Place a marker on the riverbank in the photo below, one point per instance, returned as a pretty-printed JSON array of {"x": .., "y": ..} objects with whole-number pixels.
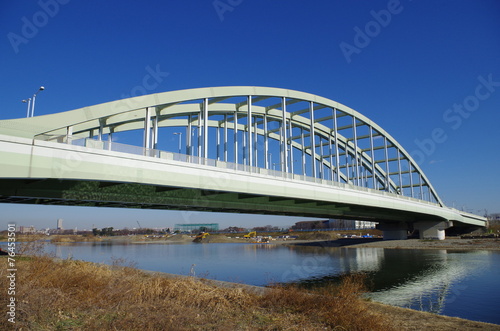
[
  {"x": 398, "y": 318},
  {"x": 76, "y": 295},
  {"x": 314, "y": 239},
  {"x": 414, "y": 320},
  {"x": 449, "y": 243}
]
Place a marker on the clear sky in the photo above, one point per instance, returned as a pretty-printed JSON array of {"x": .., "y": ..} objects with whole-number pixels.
[{"x": 427, "y": 71}]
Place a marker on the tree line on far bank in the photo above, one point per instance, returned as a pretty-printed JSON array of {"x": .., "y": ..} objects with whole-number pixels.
[{"x": 110, "y": 231}]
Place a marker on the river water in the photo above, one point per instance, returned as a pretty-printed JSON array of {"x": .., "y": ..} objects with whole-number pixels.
[{"x": 453, "y": 283}]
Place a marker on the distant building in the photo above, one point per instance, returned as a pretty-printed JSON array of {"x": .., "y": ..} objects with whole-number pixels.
[
  {"x": 351, "y": 224},
  {"x": 200, "y": 227},
  {"x": 494, "y": 217},
  {"x": 334, "y": 225},
  {"x": 27, "y": 229},
  {"x": 311, "y": 225},
  {"x": 60, "y": 224}
]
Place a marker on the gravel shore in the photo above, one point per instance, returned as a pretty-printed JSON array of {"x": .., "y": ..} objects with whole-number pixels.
[{"x": 450, "y": 243}]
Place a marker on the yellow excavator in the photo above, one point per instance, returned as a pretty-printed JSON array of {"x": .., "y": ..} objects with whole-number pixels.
[
  {"x": 201, "y": 236},
  {"x": 252, "y": 234}
]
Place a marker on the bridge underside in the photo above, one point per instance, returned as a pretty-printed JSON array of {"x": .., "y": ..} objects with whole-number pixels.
[{"x": 130, "y": 195}]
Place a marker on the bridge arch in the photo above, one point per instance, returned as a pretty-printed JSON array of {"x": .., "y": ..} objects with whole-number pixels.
[{"x": 276, "y": 129}]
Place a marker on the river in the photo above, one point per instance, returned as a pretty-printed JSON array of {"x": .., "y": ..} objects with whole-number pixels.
[{"x": 453, "y": 283}]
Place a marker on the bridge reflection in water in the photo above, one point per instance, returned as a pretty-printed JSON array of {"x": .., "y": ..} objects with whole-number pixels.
[{"x": 418, "y": 279}]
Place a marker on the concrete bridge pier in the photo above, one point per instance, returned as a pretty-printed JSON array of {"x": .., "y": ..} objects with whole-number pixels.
[
  {"x": 432, "y": 230},
  {"x": 394, "y": 231}
]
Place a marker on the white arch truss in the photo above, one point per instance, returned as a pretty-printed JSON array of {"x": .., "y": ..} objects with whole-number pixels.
[{"x": 271, "y": 128}]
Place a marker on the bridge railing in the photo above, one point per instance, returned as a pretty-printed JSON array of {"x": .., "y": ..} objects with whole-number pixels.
[{"x": 156, "y": 153}]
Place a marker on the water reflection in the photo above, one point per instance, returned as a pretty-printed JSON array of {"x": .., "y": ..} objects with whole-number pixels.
[
  {"x": 363, "y": 259},
  {"x": 430, "y": 286},
  {"x": 419, "y": 279}
]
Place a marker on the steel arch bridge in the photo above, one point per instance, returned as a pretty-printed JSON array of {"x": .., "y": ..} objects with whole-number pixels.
[{"x": 286, "y": 133}]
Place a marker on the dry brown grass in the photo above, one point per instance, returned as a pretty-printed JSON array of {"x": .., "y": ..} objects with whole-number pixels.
[
  {"x": 494, "y": 228},
  {"x": 334, "y": 306},
  {"x": 316, "y": 235},
  {"x": 75, "y": 295},
  {"x": 30, "y": 237},
  {"x": 65, "y": 238}
]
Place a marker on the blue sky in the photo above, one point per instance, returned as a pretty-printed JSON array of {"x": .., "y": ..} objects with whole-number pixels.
[{"x": 428, "y": 72}]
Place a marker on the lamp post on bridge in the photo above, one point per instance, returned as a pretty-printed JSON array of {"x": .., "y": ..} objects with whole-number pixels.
[
  {"x": 30, "y": 112},
  {"x": 180, "y": 137},
  {"x": 29, "y": 107}
]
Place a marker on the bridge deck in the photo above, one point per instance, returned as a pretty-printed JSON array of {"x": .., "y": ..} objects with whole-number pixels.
[{"x": 54, "y": 173}]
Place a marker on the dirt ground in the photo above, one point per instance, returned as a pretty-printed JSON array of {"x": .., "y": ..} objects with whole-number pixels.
[
  {"x": 450, "y": 243},
  {"x": 413, "y": 320}
]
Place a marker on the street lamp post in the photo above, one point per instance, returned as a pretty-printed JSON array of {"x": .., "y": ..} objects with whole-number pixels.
[
  {"x": 31, "y": 103},
  {"x": 180, "y": 137},
  {"x": 28, "y": 101}
]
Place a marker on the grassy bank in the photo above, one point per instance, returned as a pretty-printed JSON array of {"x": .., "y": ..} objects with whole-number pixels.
[
  {"x": 65, "y": 238},
  {"x": 78, "y": 295}
]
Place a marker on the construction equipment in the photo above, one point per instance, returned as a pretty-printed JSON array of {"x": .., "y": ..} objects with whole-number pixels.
[
  {"x": 252, "y": 234},
  {"x": 200, "y": 236}
]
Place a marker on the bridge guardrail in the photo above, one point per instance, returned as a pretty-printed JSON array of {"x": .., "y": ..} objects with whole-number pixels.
[{"x": 136, "y": 150}]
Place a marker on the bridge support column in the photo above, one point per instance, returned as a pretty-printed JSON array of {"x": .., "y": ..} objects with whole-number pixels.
[
  {"x": 432, "y": 230},
  {"x": 394, "y": 231}
]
